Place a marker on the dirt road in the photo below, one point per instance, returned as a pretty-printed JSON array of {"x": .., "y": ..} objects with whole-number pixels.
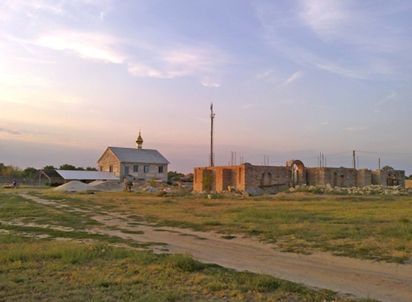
[{"x": 382, "y": 281}]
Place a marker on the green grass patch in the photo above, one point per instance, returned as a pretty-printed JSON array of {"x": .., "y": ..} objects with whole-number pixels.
[
  {"x": 15, "y": 207},
  {"x": 369, "y": 227},
  {"x": 68, "y": 271}
]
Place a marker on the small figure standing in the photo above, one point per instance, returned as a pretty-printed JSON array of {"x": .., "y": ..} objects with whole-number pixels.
[
  {"x": 14, "y": 184},
  {"x": 128, "y": 184}
]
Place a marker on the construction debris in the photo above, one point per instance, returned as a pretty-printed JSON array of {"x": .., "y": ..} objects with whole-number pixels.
[
  {"x": 106, "y": 186},
  {"x": 73, "y": 186},
  {"x": 366, "y": 190}
]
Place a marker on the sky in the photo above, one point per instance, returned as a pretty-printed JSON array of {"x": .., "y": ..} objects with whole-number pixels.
[{"x": 288, "y": 79}]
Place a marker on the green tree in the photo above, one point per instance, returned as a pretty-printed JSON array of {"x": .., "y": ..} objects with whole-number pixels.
[
  {"x": 49, "y": 168},
  {"x": 67, "y": 167},
  {"x": 174, "y": 176},
  {"x": 30, "y": 172},
  {"x": 10, "y": 171}
]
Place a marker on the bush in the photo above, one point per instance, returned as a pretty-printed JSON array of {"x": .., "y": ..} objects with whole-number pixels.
[{"x": 185, "y": 263}]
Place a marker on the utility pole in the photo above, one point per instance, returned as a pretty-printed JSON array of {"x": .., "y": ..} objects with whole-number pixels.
[
  {"x": 354, "y": 159},
  {"x": 212, "y": 117},
  {"x": 379, "y": 163}
]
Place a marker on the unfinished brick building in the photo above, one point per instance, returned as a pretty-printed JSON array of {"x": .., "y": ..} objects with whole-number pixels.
[{"x": 247, "y": 177}]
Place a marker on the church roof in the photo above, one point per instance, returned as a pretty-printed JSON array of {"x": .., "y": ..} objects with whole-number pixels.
[{"x": 133, "y": 155}]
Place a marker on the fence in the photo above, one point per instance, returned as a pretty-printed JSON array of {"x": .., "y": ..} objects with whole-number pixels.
[{"x": 21, "y": 180}]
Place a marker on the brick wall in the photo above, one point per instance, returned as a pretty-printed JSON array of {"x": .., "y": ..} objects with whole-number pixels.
[
  {"x": 341, "y": 177},
  {"x": 246, "y": 176},
  {"x": 266, "y": 176},
  {"x": 109, "y": 159}
]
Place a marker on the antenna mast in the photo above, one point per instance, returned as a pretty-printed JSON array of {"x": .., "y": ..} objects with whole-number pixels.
[{"x": 212, "y": 117}]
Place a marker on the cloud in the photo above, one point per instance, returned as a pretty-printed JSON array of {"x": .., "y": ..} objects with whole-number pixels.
[
  {"x": 178, "y": 62},
  {"x": 391, "y": 97},
  {"x": 293, "y": 77},
  {"x": 265, "y": 75},
  {"x": 55, "y": 26},
  {"x": 87, "y": 45},
  {"x": 209, "y": 83},
  {"x": 142, "y": 70},
  {"x": 323, "y": 17},
  {"x": 350, "y": 39},
  {"x": 10, "y": 131},
  {"x": 65, "y": 8},
  {"x": 142, "y": 59}
]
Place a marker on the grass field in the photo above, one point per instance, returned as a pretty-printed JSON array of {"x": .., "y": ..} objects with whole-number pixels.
[
  {"x": 368, "y": 227},
  {"x": 47, "y": 254}
]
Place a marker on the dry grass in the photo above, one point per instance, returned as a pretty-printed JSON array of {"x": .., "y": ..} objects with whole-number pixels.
[
  {"x": 372, "y": 227},
  {"x": 38, "y": 268}
]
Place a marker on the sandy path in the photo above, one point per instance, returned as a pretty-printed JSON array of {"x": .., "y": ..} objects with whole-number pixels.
[{"x": 362, "y": 278}]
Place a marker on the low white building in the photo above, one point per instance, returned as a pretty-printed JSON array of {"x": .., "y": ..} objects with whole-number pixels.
[{"x": 139, "y": 163}]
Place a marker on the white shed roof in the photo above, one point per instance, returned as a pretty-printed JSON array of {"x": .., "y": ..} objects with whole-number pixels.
[{"x": 86, "y": 175}]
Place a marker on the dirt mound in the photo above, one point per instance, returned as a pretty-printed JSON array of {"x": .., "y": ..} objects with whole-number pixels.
[
  {"x": 73, "y": 186},
  {"x": 106, "y": 186},
  {"x": 96, "y": 182}
]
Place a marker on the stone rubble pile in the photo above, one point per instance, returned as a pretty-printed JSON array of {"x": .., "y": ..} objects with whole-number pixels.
[{"x": 367, "y": 190}]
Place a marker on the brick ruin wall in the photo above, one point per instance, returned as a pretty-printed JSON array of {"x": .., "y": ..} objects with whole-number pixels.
[
  {"x": 219, "y": 179},
  {"x": 341, "y": 177},
  {"x": 266, "y": 177},
  {"x": 275, "y": 178},
  {"x": 241, "y": 178},
  {"x": 388, "y": 177}
]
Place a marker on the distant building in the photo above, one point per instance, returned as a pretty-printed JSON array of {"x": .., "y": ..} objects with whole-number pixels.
[
  {"x": 138, "y": 163},
  {"x": 85, "y": 176},
  {"x": 246, "y": 177}
]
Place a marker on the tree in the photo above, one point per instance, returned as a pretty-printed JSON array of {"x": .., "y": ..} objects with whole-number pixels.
[
  {"x": 9, "y": 171},
  {"x": 174, "y": 176},
  {"x": 30, "y": 172},
  {"x": 49, "y": 168},
  {"x": 91, "y": 169},
  {"x": 67, "y": 167}
]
